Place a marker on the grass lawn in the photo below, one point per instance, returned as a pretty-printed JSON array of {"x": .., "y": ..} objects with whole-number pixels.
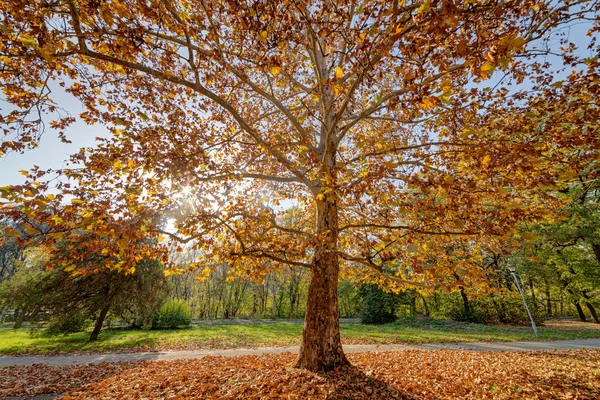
[{"x": 284, "y": 334}]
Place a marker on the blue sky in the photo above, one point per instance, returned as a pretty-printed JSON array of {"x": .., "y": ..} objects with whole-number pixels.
[{"x": 51, "y": 152}]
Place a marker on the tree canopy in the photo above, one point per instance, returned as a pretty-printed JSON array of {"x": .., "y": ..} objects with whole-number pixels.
[{"x": 408, "y": 135}]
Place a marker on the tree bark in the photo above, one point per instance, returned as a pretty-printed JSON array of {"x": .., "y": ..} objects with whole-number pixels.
[
  {"x": 596, "y": 248},
  {"x": 533, "y": 298},
  {"x": 99, "y": 322},
  {"x": 548, "y": 300},
  {"x": 578, "y": 307},
  {"x": 321, "y": 348},
  {"x": 425, "y": 306},
  {"x": 580, "y": 312},
  {"x": 19, "y": 317},
  {"x": 591, "y": 308},
  {"x": 465, "y": 300}
]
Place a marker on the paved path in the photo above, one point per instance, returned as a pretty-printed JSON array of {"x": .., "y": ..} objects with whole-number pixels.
[{"x": 178, "y": 355}]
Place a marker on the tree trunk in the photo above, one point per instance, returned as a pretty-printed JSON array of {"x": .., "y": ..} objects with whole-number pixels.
[
  {"x": 596, "y": 248},
  {"x": 533, "y": 298},
  {"x": 577, "y": 306},
  {"x": 99, "y": 322},
  {"x": 427, "y": 313},
  {"x": 592, "y": 312},
  {"x": 548, "y": 300},
  {"x": 465, "y": 300},
  {"x": 580, "y": 311},
  {"x": 321, "y": 348},
  {"x": 19, "y": 317},
  {"x": 591, "y": 308}
]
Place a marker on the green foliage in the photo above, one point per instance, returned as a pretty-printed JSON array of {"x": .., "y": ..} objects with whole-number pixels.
[
  {"x": 66, "y": 324},
  {"x": 378, "y": 307},
  {"x": 142, "y": 296},
  {"x": 502, "y": 307},
  {"x": 69, "y": 299},
  {"x": 172, "y": 315}
]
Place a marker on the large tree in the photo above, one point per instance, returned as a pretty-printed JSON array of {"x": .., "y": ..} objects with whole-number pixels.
[{"x": 372, "y": 118}]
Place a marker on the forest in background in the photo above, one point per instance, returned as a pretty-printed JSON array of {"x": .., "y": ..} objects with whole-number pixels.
[{"x": 558, "y": 264}]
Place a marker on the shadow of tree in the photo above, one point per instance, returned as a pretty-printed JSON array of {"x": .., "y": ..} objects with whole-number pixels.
[{"x": 351, "y": 383}]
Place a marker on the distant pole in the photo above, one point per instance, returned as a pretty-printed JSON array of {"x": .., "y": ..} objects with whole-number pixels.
[{"x": 511, "y": 268}]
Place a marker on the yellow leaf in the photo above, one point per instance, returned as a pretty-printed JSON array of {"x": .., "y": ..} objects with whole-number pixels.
[
  {"x": 263, "y": 36},
  {"x": 12, "y": 232},
  {"x": 275, "y": 70},
  {"x": 161, "y": 238},
  {"x": 528, "y": 236},
  {"x": 339, "y": 72},
  {"x": 488, "y": 67},
  {"x": 517, "y": 43},
  {"x": 29, "y": 41},
  {"x": 23, "y": 172},
  {"x": 567, "y": 176},
  {"x": 486, "y": 159},
  {"x": 466, "y": 133},
  {"x": 379, "y": 246},
  {"x": 424, "y": 7},
  {"x": 337, "y": 89}
]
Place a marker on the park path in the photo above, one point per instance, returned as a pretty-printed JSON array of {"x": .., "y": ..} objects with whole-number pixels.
[{"x": 178, "y": 355}]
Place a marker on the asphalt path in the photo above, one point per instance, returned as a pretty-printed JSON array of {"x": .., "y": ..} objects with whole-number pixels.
[{"x": 179, "y": 355}]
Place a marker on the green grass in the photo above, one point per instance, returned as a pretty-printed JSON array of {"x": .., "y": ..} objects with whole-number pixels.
[{"x": 282, "y": 334}]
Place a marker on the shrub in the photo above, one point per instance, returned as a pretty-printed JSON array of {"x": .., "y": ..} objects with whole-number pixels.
[
  {"x": 500, "y": 308},
  {"x": 509, "y": 309},
  {"x": 66, "y": 324},
  {"x": 379, "y": 307},
  {"x": 173, "y": 314}
]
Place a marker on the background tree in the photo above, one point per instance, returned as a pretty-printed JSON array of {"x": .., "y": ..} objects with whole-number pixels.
[
  {"x": 566, "y": 248},
  {"x": 11, "y": 255},
  {"x": 71, "y": 299},
  {"x": 370, "y": 116}
]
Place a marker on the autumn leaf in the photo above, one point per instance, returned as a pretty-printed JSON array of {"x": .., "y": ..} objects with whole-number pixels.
[
  {"x": 275, "y": 70},
  {"x": 488, "y": 67},
  {"x": 528, "y": 236},
  {"x": 29, "y": 41}
]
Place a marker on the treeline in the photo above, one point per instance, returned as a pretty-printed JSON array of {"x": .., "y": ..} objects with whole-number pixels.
[
  {"x": 557, "y": 262},
  {"x": 282, "y": 295}
]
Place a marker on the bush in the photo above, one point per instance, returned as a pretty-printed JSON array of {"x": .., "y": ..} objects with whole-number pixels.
[
  {"x": 63, "y": 325},
  {"x": 173, "y": 314},
  {"x": 503, "y": 308},
  {"x": 379, "y": 307},
  {"x": 510, "y": 309}
]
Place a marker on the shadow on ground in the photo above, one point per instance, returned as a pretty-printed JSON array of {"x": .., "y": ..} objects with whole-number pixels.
[{"x": 353, "y": 383}]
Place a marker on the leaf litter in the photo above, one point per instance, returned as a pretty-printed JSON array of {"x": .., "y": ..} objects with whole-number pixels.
[{"x": 410, "y": 374}]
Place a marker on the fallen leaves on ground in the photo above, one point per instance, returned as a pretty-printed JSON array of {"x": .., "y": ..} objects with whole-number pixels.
[{"x": 411, "y": 374}]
